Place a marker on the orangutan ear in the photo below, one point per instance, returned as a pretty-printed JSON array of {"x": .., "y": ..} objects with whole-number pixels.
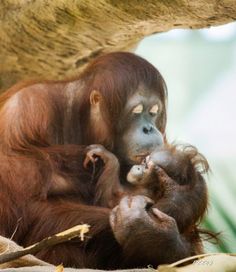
[
  {"x": 100, "y": 128},
  {"x": 95, "y": 98}
]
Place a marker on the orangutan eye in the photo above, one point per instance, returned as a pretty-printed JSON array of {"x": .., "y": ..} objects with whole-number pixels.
[
  {"x": 154, "y": 110},
  {"x": 138, "y": 109}
]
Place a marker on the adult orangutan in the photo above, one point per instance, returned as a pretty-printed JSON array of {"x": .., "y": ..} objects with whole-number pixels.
[{"x": 46, "y": 132}]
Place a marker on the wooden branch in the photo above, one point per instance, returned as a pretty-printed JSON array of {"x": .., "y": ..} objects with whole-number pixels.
[
  {"x": 55, "y": 39},
  {"x": 205, "y": 262},
  {"x": 77, "y": 231}
]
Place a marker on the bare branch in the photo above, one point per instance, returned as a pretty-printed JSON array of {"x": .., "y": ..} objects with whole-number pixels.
[{"x": 77, "y": 231}]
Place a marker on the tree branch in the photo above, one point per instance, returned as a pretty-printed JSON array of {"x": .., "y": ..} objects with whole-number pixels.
[{"x": 77, "y": 231}]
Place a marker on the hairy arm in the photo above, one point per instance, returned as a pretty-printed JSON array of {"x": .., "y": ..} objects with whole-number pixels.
[{"x": 108, "y": 190}]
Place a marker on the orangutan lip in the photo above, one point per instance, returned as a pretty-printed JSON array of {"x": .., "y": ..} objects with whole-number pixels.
[{"x": 142, "y": 156}]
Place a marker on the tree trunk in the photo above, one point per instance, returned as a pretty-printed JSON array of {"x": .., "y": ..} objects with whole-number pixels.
[{"x": 55, "y": 39}]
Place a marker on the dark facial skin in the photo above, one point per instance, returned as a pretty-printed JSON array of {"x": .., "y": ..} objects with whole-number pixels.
[{"x": 138, "y": 133}]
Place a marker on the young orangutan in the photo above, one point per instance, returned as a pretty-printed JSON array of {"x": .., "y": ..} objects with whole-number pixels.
[
  {"x": 177, "y": 199},
  {"x": 174, "y": 192},
  {"x": 170, "y": 176}
]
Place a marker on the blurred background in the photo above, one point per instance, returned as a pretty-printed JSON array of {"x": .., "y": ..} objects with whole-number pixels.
[{"x": 199, "y": 67}]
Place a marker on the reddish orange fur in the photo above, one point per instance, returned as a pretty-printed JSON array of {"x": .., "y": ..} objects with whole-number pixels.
[{"x": 44, "y": 129}]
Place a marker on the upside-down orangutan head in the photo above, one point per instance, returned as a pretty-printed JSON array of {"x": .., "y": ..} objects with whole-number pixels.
[{"x": 127, "y": 112}]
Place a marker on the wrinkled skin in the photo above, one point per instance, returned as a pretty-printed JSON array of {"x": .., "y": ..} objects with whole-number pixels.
[{"x": 138, "y": 131}]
